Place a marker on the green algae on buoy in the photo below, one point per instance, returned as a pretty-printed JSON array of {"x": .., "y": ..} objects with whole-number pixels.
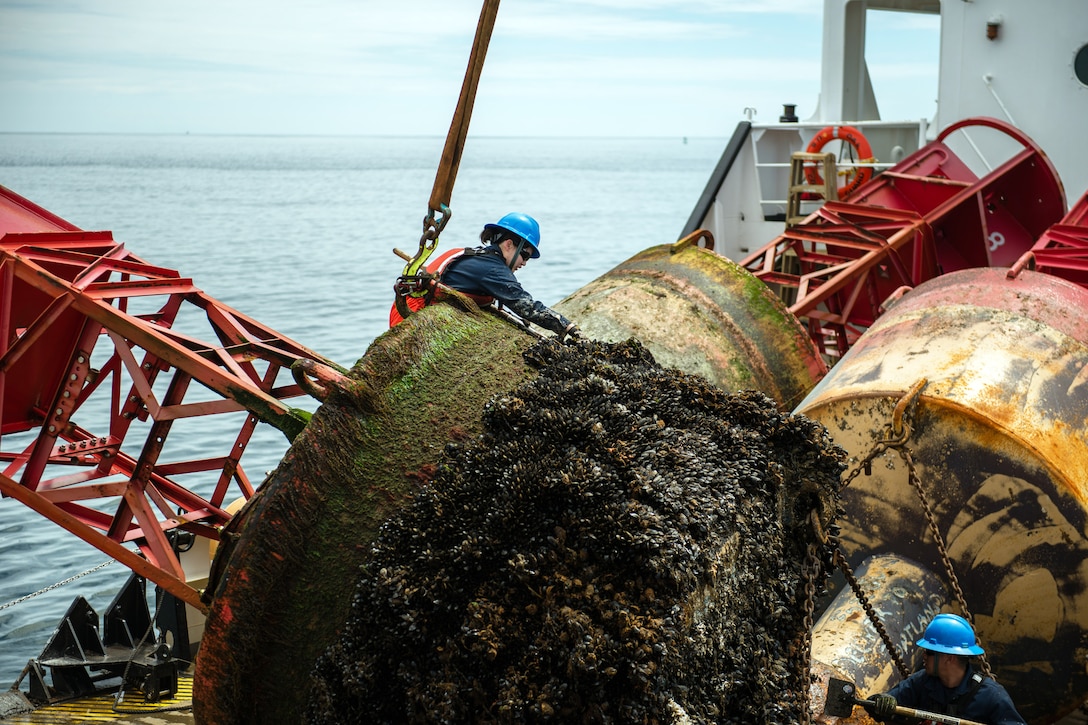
[
  {"x": 699, "y": 312},
  {"x": 289, "y": 560}
]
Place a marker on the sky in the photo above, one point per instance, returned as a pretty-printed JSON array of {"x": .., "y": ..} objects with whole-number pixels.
[{"x": 553, "y": 67}]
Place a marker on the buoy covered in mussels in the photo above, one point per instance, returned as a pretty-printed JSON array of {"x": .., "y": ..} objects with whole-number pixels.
[
  {"x": 288, "y": 562},
  {"x": 602, "y": 535},
  {"x": 623, "y": 543}
]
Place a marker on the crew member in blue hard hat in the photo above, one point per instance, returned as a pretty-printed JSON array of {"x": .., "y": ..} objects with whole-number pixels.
[
  {"x": 950, "y": 684},
  {"x": 486, "y": 274}
]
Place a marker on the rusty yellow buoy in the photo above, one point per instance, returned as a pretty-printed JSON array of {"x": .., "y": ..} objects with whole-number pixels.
[
  {"x": 972, "y": 392},
  {"x": 701, "y": 313}
]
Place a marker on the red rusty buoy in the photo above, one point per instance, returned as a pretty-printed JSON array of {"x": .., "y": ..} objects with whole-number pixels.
[{"x": 975, "y": 385}]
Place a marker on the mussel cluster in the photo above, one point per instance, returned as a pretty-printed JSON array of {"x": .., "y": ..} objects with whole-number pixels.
[{"x": 623, "y": 543}]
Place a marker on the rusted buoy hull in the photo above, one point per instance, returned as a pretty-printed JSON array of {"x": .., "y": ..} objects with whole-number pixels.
[
  {"x": 847, "y": 646},
  {"x": 983, "y": 380},
  {"x": 699, "y": 312},
  {"x": 288, "y": 580},
  {"x": 290, "y": 558}
]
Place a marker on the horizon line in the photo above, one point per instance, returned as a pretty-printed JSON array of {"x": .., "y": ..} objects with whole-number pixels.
[{"x": 350, "y": 135}]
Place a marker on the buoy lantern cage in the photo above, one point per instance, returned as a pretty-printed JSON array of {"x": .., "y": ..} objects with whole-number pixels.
[{"x": 856, "y": 175}]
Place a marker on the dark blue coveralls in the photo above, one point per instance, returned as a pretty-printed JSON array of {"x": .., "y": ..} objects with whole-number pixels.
[
  {"x": 989, "y": 704},
  {"x": 483, "y": 271}
]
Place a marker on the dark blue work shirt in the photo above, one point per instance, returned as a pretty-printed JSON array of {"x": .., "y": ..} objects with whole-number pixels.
[
  {"x": 483, "y": 271},
  {"x": 991, "y": 704}
]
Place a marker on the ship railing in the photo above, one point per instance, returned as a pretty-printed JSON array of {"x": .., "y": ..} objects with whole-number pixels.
[{"x": 773, "y": 145}]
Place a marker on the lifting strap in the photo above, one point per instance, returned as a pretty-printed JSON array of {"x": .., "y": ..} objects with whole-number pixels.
[{"x": 411, "y": 282}]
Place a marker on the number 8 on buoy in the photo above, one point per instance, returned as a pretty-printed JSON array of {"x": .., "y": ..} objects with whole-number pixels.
[{"x": 848, "y": 135}]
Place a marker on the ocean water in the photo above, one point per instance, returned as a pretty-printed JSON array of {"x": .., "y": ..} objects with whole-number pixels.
[{"x": 298, "y": 233}]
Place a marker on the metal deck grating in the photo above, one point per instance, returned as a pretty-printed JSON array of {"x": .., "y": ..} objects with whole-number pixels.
[{"x": 100, "y": 709}]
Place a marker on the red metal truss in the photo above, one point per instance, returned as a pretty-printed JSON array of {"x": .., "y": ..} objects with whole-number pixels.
[
  {"x": 1062, "y": 250},
  {"x": 842, "y": 264},
  {"x": 926, "y": 216},
  {"x": 89, "y": 331}
]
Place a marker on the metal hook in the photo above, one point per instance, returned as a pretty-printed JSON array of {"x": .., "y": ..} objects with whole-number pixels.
[{"x": 900, "y": 430}]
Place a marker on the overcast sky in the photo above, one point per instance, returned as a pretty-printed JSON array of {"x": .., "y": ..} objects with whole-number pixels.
[{"x": 554, "y": 67}]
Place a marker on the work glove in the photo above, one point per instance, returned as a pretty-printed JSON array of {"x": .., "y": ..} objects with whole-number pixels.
[
  {"x": 571, "y": 334},
  {"x": 883, "y": 706}
]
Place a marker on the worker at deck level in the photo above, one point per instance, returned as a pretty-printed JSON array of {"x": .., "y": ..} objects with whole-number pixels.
[
  {"x": 949, "y": 684},
  {"x": 486, "y": 274}
]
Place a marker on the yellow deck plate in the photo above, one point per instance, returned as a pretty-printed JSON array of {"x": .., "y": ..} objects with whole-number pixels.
[{"x": 100, "y": 708}]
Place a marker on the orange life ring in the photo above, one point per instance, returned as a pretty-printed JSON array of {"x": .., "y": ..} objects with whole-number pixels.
[{"x": 852, "y": 136}]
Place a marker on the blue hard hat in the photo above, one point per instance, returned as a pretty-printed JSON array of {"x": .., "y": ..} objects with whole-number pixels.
[
  {"x": 522, "y": 225},
  {"x": 950, "y": 634}
]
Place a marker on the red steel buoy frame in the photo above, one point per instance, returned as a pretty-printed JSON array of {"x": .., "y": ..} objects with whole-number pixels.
[
  {"x": 67, "y": 294},
  {"x": 1062, "y": 250},
  {"x": 928, "y": 215}
]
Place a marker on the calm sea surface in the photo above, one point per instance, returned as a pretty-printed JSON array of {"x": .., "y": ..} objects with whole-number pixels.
[{"x": 298, "y": 233}]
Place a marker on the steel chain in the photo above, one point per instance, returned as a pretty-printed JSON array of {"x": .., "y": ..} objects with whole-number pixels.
[
  {"x": 896, "y": 437},
  {"x": 59, "y": 584},
  {"x": 865, "y": 463},
  {"x": 413, "y": 282},
  {"x": 432, "y": 228},
  {"x": 931, "y": 519},
  {"x": 810, "y": 572},
  {"x": 870, "y": 612}
]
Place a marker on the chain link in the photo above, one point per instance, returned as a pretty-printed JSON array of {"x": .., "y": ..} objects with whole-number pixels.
[
  {"x": 931, "y": 519},
  {"x": 59, "y": 584},
  {"x": 432, "y": 228},
  {"x": 414, "y": 281},
  {"x": 896, "y": 437},
  {"x": 870, "y": 612},
  {"x": 810, "y": 573},
  {"x": 866, "y": 463}
]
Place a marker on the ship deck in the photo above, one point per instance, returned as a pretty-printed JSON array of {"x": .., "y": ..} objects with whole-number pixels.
[{"x": 102, "y": 709}]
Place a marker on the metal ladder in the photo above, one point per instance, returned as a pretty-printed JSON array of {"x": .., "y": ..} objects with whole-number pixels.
[{"x": 799, "y": 186}]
